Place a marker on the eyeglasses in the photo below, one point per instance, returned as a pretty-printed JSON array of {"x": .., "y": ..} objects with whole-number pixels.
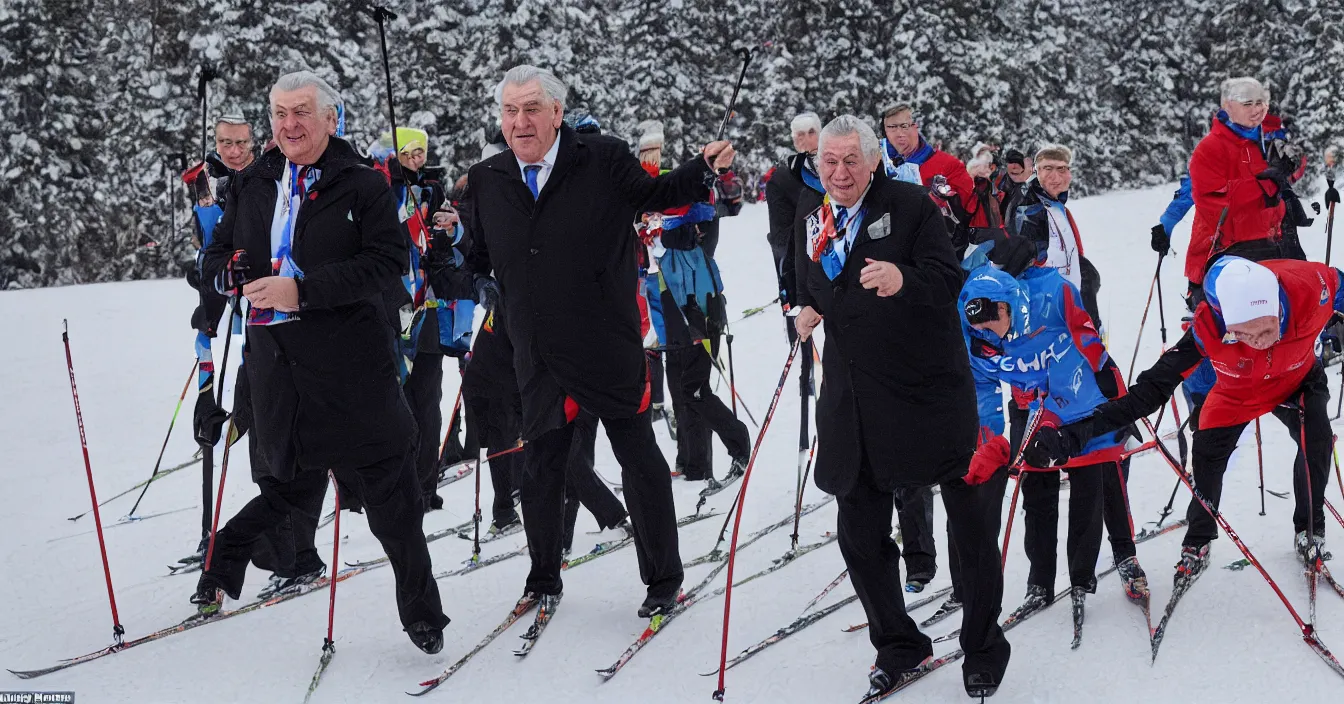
[
  {"x": 899, "y": 125},
  {"x": 1050, "y": 169},
  {"x": 231, "y": 143}
]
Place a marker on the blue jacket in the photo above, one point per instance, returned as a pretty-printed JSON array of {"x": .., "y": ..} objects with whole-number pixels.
[
  {"x": 1052, "y": 349},
  {"x": 1181, "y": 203}
]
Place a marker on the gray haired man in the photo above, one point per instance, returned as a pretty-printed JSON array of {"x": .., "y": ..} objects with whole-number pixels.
[
  {"x": 552, "y": 219},
  {"x": 320, "y": 232},
  {"x": 898, "y": 409}
]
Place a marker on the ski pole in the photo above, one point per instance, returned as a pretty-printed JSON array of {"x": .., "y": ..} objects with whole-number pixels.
[
  {"x": 736, "y": 396},
  {"x": 476, "y": 517},
  {"x": 1033, "y": 424},
  {"x": 1143, "y": 322},
  {"x": 172, "y": 422},
  {"x": 117, "y": 630},
  {"x": 732, "y": 102},
  {"x": 203, "y": 92},
  {"x": 1316, "y": 564},
  {"x": 219, "y": 495},
  {"x": 802, "y": 484},
  {"x": 1330, "y": 212},
  {"x": 1260, "y": 460},
  {"x": 1308, "y": 633},
  {"x": 742, "y": 502},
  {"x": 732, "y": 377},
  {"x": 329, "y": 645}
]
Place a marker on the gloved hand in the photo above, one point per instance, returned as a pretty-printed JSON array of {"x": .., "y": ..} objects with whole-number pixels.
[
  {"x": 1331, "y": 195},
  {"x": 1053, "y": 445},
  {"x": 1013, "y": 255},
  {"x": 1022, "y": 397},
  {"x": 208, "y": 419},
  {"x": 487, "y": 292},
  {"x": 988, "y": 460},
  {"x": 1161, "y": 240},
  {"x": 235, "y": 273},
  {"x": 1330, "y": 339},
  {"x": 1277, "y": 176}
]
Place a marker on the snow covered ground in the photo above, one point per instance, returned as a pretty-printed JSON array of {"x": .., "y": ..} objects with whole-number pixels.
[{"x": 1232, "y": 640}]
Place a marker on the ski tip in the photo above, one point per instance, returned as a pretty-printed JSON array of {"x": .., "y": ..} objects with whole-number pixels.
[
  {"x": 606, "y": 673},
  {"x": 20, "y": 674},
  {"x": 709, "y": 674}
]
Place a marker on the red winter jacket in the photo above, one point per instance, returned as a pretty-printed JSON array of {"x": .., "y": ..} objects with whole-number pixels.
[
  {"x": 1252, "y": 382},
  {"x": 1222, "y": 175}
]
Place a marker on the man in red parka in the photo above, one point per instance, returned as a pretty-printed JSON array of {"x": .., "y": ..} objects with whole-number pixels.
[
  {"x": 1258, "y": 326},
  {"x": 906, "y": 156},
  {"x": 1240, "y": 176}
]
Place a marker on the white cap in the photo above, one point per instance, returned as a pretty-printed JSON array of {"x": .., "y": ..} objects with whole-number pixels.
[
  {"x": 1246, "y": 291},
  {"x": 651, "y": 134}
]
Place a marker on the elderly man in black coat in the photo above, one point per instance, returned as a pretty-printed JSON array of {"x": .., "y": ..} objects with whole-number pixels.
[
  {"x": 320, "y": 231},
  {"x": 897, "y": 407},
  {"x": 553, "y": 221}
]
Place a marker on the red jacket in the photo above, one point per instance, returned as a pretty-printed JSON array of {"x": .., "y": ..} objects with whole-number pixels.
[
  {"x": 1252, "y": 382},
  {"x": 1222, "y": 175},
  {"x": 950, "y": 167}
]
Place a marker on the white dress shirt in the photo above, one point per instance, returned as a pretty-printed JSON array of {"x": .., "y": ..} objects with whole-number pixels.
[{"x": 547, "y": 163}]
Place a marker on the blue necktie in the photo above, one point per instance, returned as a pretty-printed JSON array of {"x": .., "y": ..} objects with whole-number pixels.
[
  {"x": 530, "y": 175},
  {"x": 841, "y": 225}
]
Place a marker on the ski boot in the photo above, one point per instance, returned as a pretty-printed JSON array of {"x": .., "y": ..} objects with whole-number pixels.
[
  {"x": 739, "y": 467},
  {"x": 915, "y": 585},
  {"x": 882, "y": 683},
  {"x": 272, "y": 586},
  {"x": 1308, "y": 550},
  {"x": 1194, "y": 560},
  {"x": 1078, "y": 595},
  {"x": 657, "y": 606},
  {"x": 426, "y": 637},
  {"x": 981, "y": 684},
  {"x": 513, "y": 526},
  {"x": 208, "y": 598},
  {"x": 199, "y": 555},
  {"x": 1134, "y": 580},
  {"x": 1038, "y": 598},
  {"x": 292, "y": 584}
]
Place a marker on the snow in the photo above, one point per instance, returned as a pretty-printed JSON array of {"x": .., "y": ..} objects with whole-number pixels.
[{"x": 1231, "y": 641}]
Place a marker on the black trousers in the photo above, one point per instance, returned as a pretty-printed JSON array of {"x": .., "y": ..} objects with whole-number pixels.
[
  {"x": 495, "y": 420},
  {"x": 700, "y": 414},
  {"x": 1213, "y": 447},
  {"x": 1115, "y": 493},
  {"x": 1040, "y": 501},
  {"x": 394, "y": 506},
  {"x": 648, "y": 489},
  {"x": 287, "y": 549},
  {"x": 914, "y": 509},
  {"x": 582, "y": 485},
  {"x": 874, "y": 562},
  {"x": 424, "y": 392},
  {"x": 655, "y": 362}
]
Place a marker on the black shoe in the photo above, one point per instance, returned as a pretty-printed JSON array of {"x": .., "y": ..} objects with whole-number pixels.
[
  {"x": 656, "y": 606},
  {"x": 208, "y": 597},
  {"x": 293, "y": 583},
  {"x": 882, "y": 683},
  {"x": 981, "y": 684},
  {"x": 739, "y": 467},
  {"x": 426, "y": 637},
  {"x": 199, "y": 555}
]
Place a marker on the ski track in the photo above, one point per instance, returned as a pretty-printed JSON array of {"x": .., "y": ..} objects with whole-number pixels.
[{"x": 1229, "y": 641}]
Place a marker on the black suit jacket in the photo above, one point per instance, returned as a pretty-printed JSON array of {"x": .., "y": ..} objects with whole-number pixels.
[
  {"x": 565, "y": 263},
  {"x": 897, "y": 394}
]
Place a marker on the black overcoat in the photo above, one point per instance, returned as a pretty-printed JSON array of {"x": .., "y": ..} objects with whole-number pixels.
[
  {"x": 565, "y": 264},
  {"x": 897, "y": 383},
  {"x": 324, "y": 387}
]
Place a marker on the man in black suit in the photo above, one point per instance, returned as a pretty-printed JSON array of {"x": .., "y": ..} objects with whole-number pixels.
[
  {"x": 897, "y": 407},
  {"x": 553, "y": 223}
]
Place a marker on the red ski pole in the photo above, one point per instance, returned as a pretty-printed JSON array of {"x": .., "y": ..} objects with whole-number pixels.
[
  {"x": 117, "y": 630},
  {"x": 219, "y": 495},
  {"x": 737, "y": 522},
  {"x": 330, "y": 645},
  {"x": 1032, "y": 426}
]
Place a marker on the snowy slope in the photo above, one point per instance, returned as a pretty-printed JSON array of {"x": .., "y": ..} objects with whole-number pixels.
[{"x": 1232, "y": 641}]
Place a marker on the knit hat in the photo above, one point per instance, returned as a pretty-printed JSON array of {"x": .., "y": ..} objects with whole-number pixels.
[
  {"x": 408, "y": 139},
  {"x": 650, "y": 134},
  {"x": 1242, "y": 290}
]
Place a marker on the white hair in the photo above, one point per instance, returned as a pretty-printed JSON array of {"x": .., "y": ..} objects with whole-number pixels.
[
  {"x": 846, "y": 125},
  {"x": 805, "y": 121},
  {"x": 553, "y": 88},
  {"x": 327, "y": 97},
  {"x": 1244, "y": 88}
]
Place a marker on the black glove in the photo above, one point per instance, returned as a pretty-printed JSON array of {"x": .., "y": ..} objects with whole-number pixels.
[
  {"x": 1277, "y": 176},
  {"x": 1331, "y": 195},
  {"x": 487, "y": 292},
  {"x": 208, "y": 419},
  {"x": 1013, "y": 254},
  {"x": 1052, "y": 446},
  {"x": 235, "y": 273},
  {"x": 1161, "y": 240}
]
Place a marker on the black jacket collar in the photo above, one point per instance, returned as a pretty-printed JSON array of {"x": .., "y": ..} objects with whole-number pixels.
[{"x": 338, "y": 157}]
